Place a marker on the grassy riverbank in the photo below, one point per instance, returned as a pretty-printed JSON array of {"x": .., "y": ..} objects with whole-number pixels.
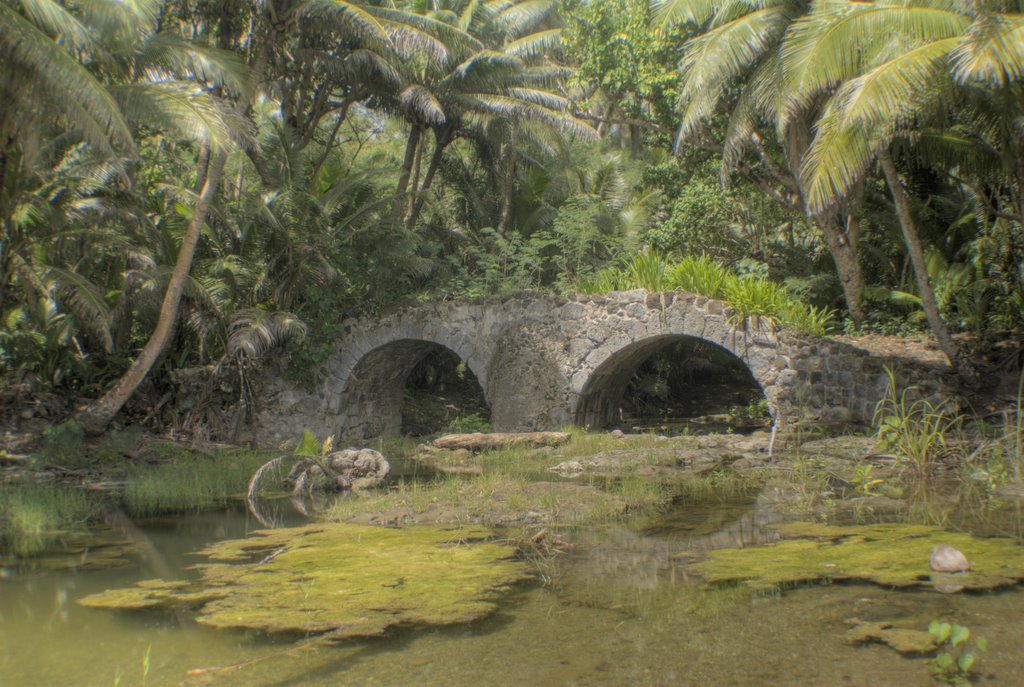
[{"x": 595, "y": 477}]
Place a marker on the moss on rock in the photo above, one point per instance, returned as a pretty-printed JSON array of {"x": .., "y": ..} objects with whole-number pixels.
[
  {"x": 890, "y": 554},
  {"x": 345, "y": 580}
]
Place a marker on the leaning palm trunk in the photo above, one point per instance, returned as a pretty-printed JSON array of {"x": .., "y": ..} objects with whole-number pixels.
[
  {"x": 912, "y": 239},
  {"x": 96, "y": 416}
]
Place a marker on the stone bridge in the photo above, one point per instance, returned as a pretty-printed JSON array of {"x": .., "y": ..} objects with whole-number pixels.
[{"x": 545, "y": 361}]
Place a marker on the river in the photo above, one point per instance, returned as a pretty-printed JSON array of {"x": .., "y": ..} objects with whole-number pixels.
[{"x": 618, "y": 608}]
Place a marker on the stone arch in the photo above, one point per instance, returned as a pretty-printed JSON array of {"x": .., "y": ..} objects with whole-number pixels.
[
  {"x": 600, "y": 398},
  {"x": 375, "y": 387}
]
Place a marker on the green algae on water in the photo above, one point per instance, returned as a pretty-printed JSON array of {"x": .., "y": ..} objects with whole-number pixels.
[
  {"x": 903, "y": 640},
  {"x": 345, "y": 580},
  {"x": 891, "y": 555}
]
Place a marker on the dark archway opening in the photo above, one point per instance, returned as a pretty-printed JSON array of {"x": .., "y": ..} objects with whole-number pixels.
[
  {"x": 673, "y": 384},
  {"x": 442, "y": 394}
]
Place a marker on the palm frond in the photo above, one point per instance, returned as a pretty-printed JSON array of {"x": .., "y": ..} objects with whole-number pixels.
[
  {"x": 535, "y": 44},
  {"x": 485, "y": 70},
  {"x": 506, "y": 107},
  {"x": 367, "y": 66},
  {"x": 543, "y": 98},
  {"x": 455, "y": 42},
  {"x": 839, "y": 40},
  {"x": 253, "y": 332},
  {"x": 866, "y": 110},
  {"x": 468, "y": 17},
  {"x": 839, "y": 155},
  {"x": 65, "y": 86},
  {"x": 170, "y": 53},
  {"x": 121, "y": 23},
  {"x": 714, "y": 60},
  {"x": 346, "y": 17},
  {"x": 892, "y": 91},
  {"x": 420, "y": 101},
  {"x": 955, "y": 150},
  {"x": 992, "y": 50},
  {"x": 742, "y": 125},
  {"x": 180, "y": 106},
  {"x": 54, "y": 20},
  {"x": 694, "y": 12},
  {"x": 519, "y": 18},
  {"x": 86, "y": 301}
]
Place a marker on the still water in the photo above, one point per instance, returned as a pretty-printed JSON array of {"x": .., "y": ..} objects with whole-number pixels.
[{"x": 617, "y": 609}]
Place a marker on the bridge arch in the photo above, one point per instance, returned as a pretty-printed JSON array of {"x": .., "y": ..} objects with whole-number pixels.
[
  {"x": 375, "y": 386},
  {"x": 600, "y": 401}
]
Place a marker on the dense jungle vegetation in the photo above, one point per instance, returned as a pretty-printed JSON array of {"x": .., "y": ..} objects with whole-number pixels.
[{"x": 191, "y": 183}]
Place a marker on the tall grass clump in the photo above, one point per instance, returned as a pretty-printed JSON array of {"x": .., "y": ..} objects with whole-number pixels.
[
  {"x": 647, "y": 271},
  {"x": 603, "y": 281},
  {"x": 700, "y": 274},
  {"x": 915, "y": 430},
  {"x": 750, "y": 297},
  {"x": 808, "y": 318},
  {"x": 758, "y": 297},
  {"x": 35, "y": 516},
  {"x": 746, "y": 296},
  {"x": 190, "y": 482}
]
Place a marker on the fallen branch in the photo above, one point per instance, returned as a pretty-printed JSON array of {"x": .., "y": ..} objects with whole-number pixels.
[{"x": 499, "y": 440}]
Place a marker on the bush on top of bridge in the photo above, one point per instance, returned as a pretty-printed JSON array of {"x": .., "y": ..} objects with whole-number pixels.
[{"x": 747, "y": 296}]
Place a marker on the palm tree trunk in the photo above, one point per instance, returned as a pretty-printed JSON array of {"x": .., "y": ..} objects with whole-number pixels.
[
  {"x": 411, "y": 144},
  {"x": 417, "y": 169},
  {"x": 96, "y": 416},
  {"x": 843, "y": 249},
  {"x": 202, "y": 166},
  {"x": 842, "y": 241},
  {"x": 441, "y": 140},
  {"x": 510, "y": 178},
  {"x": 912, "y": 238}
]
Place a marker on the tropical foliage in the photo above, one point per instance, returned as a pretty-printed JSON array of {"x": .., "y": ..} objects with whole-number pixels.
[{"x": 191, "y": 184}]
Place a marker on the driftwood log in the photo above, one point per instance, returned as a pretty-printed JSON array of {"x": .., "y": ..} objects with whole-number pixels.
[{"x": 501, "y": 439}]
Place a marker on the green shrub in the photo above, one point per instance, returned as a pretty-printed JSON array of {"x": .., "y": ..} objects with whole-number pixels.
[{"x": 755, "y": 297}]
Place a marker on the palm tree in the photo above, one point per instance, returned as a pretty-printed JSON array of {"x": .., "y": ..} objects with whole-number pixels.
[
  {"x": 344, "y": 17},
  {"x": 485, "y": 81},
  {"x": 888, "y": 70},
  {"x": 43, "y": 84},
  {"x": 92, "y": 77},
  {"x": 734, "y": 62}
]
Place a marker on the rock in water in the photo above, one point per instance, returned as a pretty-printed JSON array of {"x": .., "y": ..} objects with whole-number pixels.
[{"x": 947, "y": 559}]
